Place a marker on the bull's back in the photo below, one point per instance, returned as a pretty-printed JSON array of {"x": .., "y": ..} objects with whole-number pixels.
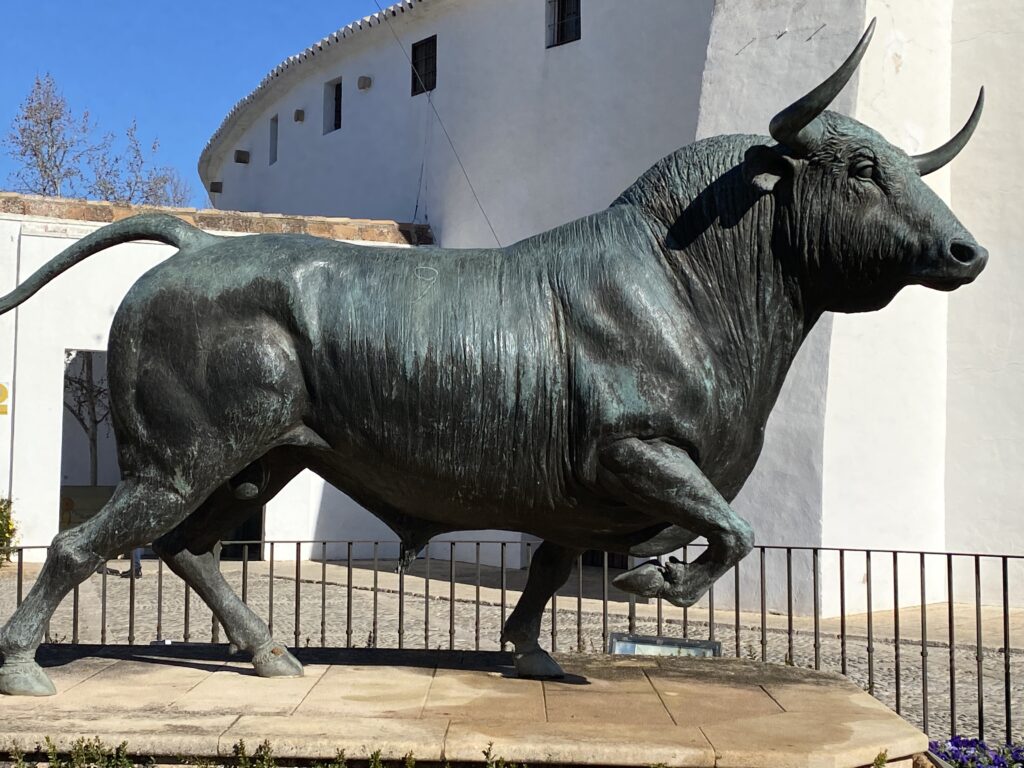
[{"x": 437, "y": 377}]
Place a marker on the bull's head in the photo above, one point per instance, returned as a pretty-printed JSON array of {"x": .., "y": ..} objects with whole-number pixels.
[{"x": 855, "y": 207}]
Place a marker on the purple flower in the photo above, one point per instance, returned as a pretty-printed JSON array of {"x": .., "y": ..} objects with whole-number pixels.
[{"x": 965, "y": 752}]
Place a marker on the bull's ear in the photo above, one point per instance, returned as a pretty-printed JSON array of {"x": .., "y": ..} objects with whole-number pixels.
[{"x": 764, "y": 167}]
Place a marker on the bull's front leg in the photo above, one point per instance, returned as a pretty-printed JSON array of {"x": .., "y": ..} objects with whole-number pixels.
[{"x": 662, "y": 480}]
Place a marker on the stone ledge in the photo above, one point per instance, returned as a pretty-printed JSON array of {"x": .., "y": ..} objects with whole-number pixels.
[
  {"x": 197, "y": 702},
  {"x": 100, "y": 212}
]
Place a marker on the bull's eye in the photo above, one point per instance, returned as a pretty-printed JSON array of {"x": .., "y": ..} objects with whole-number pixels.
[{"x": 863, "y": 169}]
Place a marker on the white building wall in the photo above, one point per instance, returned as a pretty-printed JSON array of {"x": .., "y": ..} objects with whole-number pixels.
[
  {"x": 985, "y": 409},
  {"x": 9, "y": 246},
  {"x": 575, "y": 124}
]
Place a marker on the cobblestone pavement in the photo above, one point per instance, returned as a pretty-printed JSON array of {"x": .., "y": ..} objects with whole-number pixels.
[{"x": 334, "y": 614}]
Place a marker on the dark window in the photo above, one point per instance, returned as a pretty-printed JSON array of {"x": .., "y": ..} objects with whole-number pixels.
[
  {"x": 563, "y": 21},
  {"x": 273, "y": 139},
  {"x": 332, "y": 105},
  {"x": 424, "y": 65}
]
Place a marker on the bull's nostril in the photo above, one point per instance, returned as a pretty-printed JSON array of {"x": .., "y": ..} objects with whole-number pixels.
[{"x": 964, "y": 252}]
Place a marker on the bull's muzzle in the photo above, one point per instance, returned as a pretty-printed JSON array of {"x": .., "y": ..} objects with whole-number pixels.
[{"x": 958, "y": 264}]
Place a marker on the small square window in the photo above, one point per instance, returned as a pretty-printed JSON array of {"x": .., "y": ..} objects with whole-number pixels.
[
  {"x": 332, "y": 105},
  {"x": 273, "y": 139},
  {"x": 424, "y": 65},
  {"x": 563, "y": 22}
]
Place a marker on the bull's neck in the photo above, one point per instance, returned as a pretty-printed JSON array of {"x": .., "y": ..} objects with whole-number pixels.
[{"x": 718, "y": 238}]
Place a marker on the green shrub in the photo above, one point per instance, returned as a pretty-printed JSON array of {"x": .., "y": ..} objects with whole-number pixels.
[
  {"x": 263, "y": 757},
  {"x": 8, "y": 530},
  {"x": 93, "y": 753}
]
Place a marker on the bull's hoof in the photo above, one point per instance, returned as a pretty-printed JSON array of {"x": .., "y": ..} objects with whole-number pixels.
[
  {"x": 274, "y": 660},
  {"x": 537, "y": 665},
  {"x": 25, "y": 678},
  {"x": 246, "y": 491},
  {"x": 645, "y": 580},
  {"x": 680, "y": 584}
]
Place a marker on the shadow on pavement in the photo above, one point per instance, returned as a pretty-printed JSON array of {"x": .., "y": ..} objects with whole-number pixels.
[{"x": 210, "y": 657}]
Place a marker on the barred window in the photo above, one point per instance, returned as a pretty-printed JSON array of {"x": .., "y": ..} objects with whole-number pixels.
[
  {"x": 273, "y": 139},
  {"x": 424, "y": 65},
  {"x": 563, "y": 22},
  {"x": 332, "y": 105}
]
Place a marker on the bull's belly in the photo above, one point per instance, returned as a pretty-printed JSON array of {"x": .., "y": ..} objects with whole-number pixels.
[{"x": 577, "y": 517}]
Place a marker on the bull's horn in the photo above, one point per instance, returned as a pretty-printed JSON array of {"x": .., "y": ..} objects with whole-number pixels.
[
  {"x": 932, "y": 161},
  {"x": 797, "y": 126}
]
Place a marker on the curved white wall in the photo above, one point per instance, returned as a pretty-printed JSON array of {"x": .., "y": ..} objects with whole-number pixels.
[
  {"x": 985, "y": 407},
  {"x": 546, "y": 135}
]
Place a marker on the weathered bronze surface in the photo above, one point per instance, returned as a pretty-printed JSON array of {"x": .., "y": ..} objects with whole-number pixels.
[{"x": 604, "y": 385}]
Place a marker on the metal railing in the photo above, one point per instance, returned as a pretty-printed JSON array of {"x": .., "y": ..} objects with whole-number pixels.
[{"x": 934, "y": 635}]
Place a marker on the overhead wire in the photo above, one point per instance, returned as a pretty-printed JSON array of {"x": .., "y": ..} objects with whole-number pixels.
[{"x": 440, "y": 122}]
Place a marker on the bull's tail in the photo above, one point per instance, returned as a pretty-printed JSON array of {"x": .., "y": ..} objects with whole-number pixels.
[{"x": 148, "y": 226}]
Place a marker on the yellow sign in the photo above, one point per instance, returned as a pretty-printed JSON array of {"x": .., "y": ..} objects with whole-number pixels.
[{"x": 4, "y": 394}]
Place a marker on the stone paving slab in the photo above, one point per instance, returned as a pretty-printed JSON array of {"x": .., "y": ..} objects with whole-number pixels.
[
  {"x": 164, "y": 734},
  {"x": 235, "y": 682},
  {"x": 197, "y": 702},
  {"x": 359, "y": 737},
  {"x": 825, "y": 739},
  {"x": 470, "y": 695},
  {"x": 604, "y": 744},
  {"x": 364, "y": 691}
]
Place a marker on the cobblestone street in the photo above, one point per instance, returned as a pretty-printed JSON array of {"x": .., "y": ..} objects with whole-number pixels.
[{"x": 371, "y": 610}]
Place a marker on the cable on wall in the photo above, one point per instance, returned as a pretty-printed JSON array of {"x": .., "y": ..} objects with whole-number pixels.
[{"x": 440, "y": 122}]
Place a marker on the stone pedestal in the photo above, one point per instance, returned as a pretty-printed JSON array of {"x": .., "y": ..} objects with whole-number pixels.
[{"x": 195, "y": 701}]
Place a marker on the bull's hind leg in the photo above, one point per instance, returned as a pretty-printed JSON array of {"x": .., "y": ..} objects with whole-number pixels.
[
  {"x": 188, "y": 551},
  {"x": 661, "y": 480},
  {"x": 244, "y": 628},
  {"x": 138, "y": 511},
  {"x": 549, "y": 570}
]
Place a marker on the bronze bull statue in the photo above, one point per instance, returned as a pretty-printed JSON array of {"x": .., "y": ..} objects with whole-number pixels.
[{"x": 604, "y": 385}]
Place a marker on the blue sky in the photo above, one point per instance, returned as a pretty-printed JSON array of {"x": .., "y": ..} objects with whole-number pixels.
[{"x": 176, "y": 67}]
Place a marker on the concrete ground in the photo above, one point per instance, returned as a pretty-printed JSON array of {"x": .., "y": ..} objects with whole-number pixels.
[
  {"x": 194, "y": 702},
  {"x": 966, "y": 694}
]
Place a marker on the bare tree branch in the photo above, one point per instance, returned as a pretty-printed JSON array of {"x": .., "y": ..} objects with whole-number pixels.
[
  {"x": 58, "y": 155},
  {"x": 49, "y": 143}
]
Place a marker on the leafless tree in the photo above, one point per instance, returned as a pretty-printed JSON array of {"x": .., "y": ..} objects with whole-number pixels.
[
  {"x": 130, "y": 178},
  {"x": 57, "y": 154},
  {"x": 87, "y": 399},
  {"x": 50, "y": 144}
]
